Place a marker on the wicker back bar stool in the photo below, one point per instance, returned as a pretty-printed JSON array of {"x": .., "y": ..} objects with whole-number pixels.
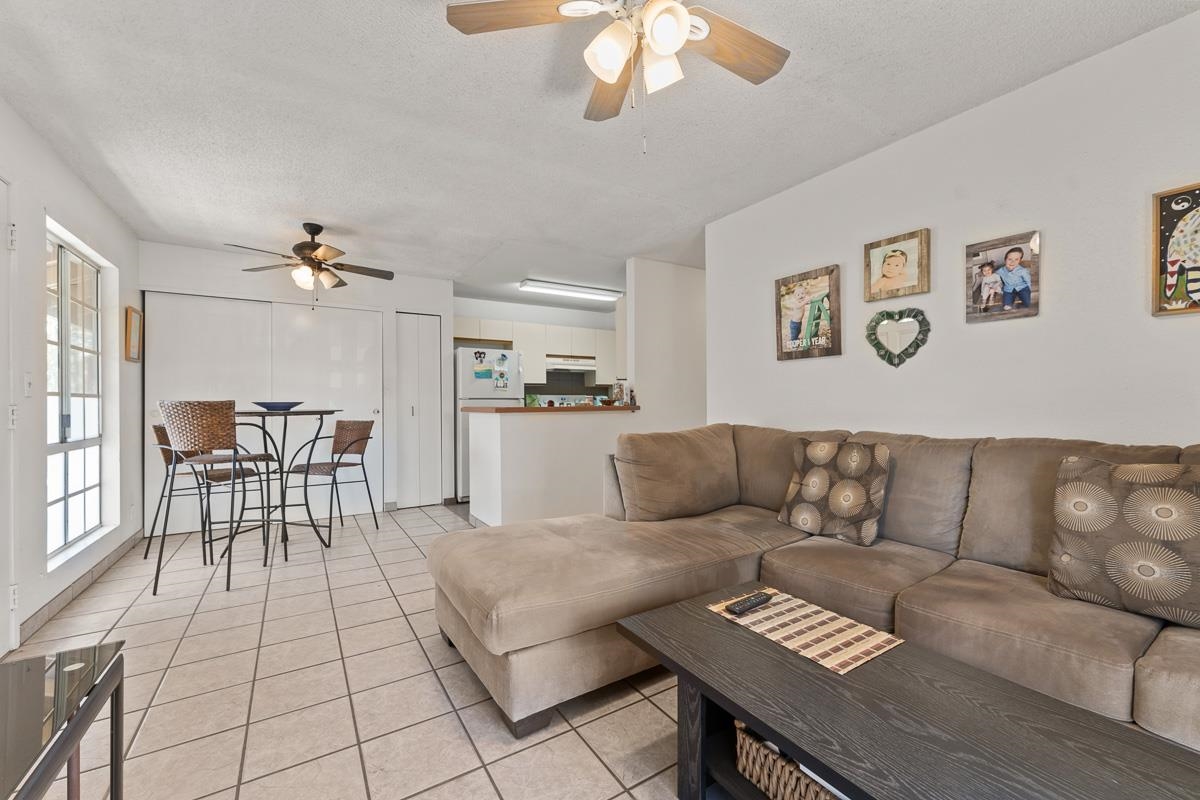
[
  {"x": 171, "y": 461},
  {"x": 203, "y": 435},
  {"x": 347, "y": 451}
]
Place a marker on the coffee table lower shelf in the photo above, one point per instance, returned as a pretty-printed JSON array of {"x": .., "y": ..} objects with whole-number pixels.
[{"x": 721, "y": 759}]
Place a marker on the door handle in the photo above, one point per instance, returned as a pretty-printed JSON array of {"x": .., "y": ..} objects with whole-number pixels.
[{"x": 412, "y": 411}]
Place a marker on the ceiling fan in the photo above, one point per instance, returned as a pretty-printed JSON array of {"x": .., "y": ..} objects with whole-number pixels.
[
  {"x": 651, "y": 32},
  {"x": 313, "y": 261}
]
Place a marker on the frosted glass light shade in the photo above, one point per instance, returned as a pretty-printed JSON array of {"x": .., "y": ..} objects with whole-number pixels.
[
  {"x": 608, "y": 52},
  {"x": 303, "y": 277},
  {"x": 666, "y": 24},
  {"x": 327, "y": 278},
  {"x": 660, "y": 71}
]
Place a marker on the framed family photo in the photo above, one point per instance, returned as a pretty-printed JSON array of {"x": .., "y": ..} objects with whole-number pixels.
[
  {"x": 1004, "y": 277},
  {"x": 808, "y": 314},
  {"x": 897, "y": 266},
  {"x": 1175, "y": 276}
]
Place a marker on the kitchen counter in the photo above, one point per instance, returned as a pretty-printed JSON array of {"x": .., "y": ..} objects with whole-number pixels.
[{"x": 544, "y": 410}]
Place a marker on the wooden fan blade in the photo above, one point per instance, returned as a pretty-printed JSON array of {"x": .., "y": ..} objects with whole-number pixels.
[
  {"x": 502, "y": 15},
  {"x": 741, "y": 51},
  {"x": 608, "y": 98},
  {"x": 257, "y": 250},
  {"x": 327, "y": 253},
  {"x": 370, "y": 272},
  {"x": 271, "y": 266}
]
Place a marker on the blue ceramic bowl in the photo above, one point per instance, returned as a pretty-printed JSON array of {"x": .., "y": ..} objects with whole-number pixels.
[{"x": 277, "y": 405}]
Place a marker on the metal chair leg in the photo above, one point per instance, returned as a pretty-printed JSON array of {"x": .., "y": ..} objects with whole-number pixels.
[
  {"x": 336, "y": 493},
  {"x": 162, "y": 541},
  {"x": 162, "y": 493},
  {"x": 367, "y": 483},
  {"x": 233, "y": 527}
]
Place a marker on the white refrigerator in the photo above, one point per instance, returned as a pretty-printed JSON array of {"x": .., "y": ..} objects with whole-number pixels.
[{"x": 481, "y": 378}]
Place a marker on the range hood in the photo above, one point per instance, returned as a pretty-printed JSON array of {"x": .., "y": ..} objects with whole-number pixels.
[{"x": 570, "y": 364}]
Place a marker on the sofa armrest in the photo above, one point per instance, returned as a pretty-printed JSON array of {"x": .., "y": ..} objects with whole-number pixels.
[{"x": 614, "y": 504}]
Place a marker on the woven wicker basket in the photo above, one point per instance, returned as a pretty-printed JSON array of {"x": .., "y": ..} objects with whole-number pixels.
[{"x": 779, "y": 778}]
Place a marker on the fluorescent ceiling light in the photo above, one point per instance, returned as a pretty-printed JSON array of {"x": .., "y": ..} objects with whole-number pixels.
[{"x": 570, "y": 290}]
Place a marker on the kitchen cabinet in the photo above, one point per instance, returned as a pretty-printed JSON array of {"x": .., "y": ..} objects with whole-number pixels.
[
  {"x": 606, "y": 357},
  {"x": 467, "y": 328},
  {"x": 583, "y": 342},
  {"x": 558, "y": 340},
  {"x": 499, "y": 330},
  {"x": 529, "y": 339}
]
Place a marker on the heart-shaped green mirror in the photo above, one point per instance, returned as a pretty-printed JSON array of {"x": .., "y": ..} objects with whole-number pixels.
[{"x": 896, "y": 336}]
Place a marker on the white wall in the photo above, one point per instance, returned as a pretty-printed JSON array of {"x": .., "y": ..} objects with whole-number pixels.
[
  {"x": 192, "y": 270},
  {"x": 40, "y": 185},
  {"x": 664, "y": 319},
  {"x": 1076, "y": 155},
  {"x": 521, "y": 312}
]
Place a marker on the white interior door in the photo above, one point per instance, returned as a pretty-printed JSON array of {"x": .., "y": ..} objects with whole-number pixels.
[
  {"x": 200, "y": 348},
  {"x": 419, "y": 400},
  {"x": 332, "y": 358},
  {"x": 8, "y": 621}
]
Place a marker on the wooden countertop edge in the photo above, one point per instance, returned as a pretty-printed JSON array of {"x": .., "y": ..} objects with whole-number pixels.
[{"x": 540, "y": 410}]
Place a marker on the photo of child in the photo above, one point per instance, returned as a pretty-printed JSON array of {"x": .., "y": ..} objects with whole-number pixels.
[
  {"x": 1003, "y": 278},
  {"x": 808, "y": 314},
  {"x": 897, "y": 266}
]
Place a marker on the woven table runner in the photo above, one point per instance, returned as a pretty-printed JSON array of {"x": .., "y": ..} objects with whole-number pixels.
[{"x": 835, "y": 642}]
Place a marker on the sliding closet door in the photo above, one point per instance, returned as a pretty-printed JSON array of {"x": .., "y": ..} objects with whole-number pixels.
[
  {"x": 200, "y": 348},
  {"x": 332, "y": 358},
  {"x": 419, "y": 401}
]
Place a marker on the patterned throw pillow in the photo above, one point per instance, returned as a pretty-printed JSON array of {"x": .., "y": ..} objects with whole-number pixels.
[
  {"x": 837, "y": 490},
  {"x": 1128, "y": 536}
]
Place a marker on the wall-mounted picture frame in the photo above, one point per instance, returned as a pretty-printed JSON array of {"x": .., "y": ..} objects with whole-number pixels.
[
  {"x": 896, "y": 266},
  {"x": 133, "y": 334},
  {"x": 1004, "y": 278},
  {"x": 1175, "y": 275},
  {"x": 808, "y": 314}
]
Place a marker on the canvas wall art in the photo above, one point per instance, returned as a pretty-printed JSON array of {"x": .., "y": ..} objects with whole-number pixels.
[
  {"x": 1176, "y": 272},
  {"x": 897, "y": 266},
  {"x": 1004, "y": 277},
  {"x": 808, "y": 314}
]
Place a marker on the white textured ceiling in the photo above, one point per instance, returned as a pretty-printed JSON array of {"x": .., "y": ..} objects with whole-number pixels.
[{"x": 430, "y": 152}]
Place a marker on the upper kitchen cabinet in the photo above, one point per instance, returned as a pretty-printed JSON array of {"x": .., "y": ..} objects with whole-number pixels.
[
  {"x": 583, "y": 342},
  {"x": 467, "y": 328},
  {"x": 558, "y": 340},
  {"x": 498, "y": 330},
  {"x": 606, "y": 357},
  {"x": 529, "y": 339}
]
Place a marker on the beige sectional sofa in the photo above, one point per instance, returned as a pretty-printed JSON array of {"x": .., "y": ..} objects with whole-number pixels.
[{"x": 959, "y": 568}]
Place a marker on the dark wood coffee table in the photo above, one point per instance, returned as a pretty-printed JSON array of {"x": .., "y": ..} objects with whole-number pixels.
[{"x": 909, "y": 724}]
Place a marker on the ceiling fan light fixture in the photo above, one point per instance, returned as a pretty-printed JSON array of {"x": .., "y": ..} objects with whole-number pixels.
[
  {"x": 699, "y": 29},
  {"x": 580, "y": 8},
  {"x": 571, "y": 290},
  {"x": 660, "y": 71},
  {"x": 608, "y": 52},
  {"x": 328, "y": 279},
  {"x": 303, "y": 277},
  {"x": 666, "y": 25}
]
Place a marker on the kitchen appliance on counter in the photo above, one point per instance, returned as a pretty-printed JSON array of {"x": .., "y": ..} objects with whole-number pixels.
[{"x": 481, "y": 378}]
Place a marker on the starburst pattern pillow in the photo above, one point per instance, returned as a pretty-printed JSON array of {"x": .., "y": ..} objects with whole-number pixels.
[
  {"x": 1127, "y": 536},
  {"x": 837, "y": 490}
]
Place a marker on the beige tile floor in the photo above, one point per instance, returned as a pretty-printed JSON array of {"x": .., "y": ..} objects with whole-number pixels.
[{"x": 324, "y": 678}]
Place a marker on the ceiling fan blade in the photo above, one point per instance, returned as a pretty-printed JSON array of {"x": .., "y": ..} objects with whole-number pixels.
[
  {"x": 502, "y": 15},
  {"x": 257, "y": 250},
  {"x": 370, "y": 272},
  {"x": 327, "y": 253},
  {"x": 608, "y": 98},
  {"x": 737, "y": 49},
  {"x": 270, "y": 266}
]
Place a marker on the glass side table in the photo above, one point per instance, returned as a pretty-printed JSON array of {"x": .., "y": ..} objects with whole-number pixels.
[{"x": 47, "y": 705}]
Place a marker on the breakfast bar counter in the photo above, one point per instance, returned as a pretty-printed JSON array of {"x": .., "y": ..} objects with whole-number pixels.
[{"x": 544, "y": 409}]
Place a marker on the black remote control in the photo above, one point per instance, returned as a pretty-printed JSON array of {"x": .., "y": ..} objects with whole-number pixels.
[{"x": 739, "y": 607}]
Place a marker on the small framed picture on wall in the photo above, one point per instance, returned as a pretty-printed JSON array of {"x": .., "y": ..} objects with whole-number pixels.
[
  {"x": 1175, "y": 276},
  {"x": 1004, "y": 277},
  {"x": 133, "y": 334},
  {"x": 897, "y": 266},
  {"x": 808, "y": 314}
]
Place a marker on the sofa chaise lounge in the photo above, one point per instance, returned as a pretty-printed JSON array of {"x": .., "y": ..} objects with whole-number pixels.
[{"x": 959, "y": 567}]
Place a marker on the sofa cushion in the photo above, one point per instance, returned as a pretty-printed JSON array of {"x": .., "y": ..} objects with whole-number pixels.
[
  {"x": 1010, "y": 511},
  {"x": 764, "y": 461},
  {"x": 1128, "y": 536},
  {"x": 677, "y": 474},
  {"x": 532, "y": 582},
  {"x": 859, "y": 582},
  {"x": 1166, "y": 686},
  {"x": 1005, "y": 622},
  {"x": 927, "y": 488},
  {"x": 837, "y": 490}
]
